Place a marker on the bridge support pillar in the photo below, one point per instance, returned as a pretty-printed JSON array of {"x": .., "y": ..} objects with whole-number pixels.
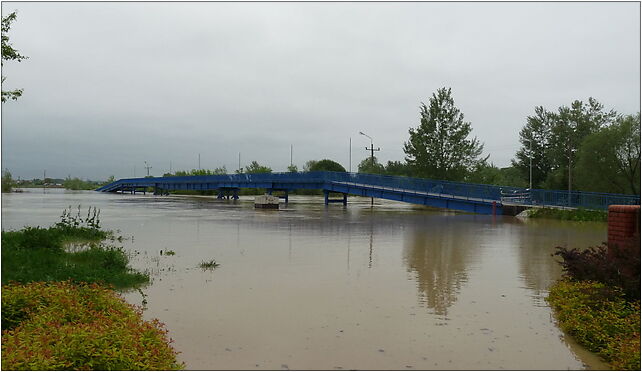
[{"x": 326, "y": 195}]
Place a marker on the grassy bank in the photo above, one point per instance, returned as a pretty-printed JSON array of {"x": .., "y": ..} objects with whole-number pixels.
[
  {"x": 569, "y": 214},
  {"x": 65, "y": 326},
  {"x": 52, "y": 319},
  {"x": 600, "y": 318},
  {"x": 39, "y": 254}
]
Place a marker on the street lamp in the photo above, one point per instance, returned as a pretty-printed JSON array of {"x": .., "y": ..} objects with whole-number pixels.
[{"x": 372, "y": 149}]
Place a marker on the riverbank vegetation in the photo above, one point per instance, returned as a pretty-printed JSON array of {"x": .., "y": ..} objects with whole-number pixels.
[
  {"x": 59, "y": 311},
  {"x": 66, "y": 326},
  {"x": 42, "y": 254},
  {"x": 598, "y": 302},
  {"x": 579, "y": 214}
]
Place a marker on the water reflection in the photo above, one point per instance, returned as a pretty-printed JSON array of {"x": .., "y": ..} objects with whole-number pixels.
[
  {"x": 536, "y": 240},
  {"x": 438, "y": 254}
]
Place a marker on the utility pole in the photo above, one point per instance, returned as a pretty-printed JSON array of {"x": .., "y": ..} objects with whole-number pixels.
[
  {"x": 239, "y": 162},
  {"x": 291, "y": 148},
  {"x": 170, "y": 167},
  {"x": 372, "y": 150},
  {"x": 44, "y": 177},
  {"x": 147, "y": 167},
  {"x": 199, "y": 161}
]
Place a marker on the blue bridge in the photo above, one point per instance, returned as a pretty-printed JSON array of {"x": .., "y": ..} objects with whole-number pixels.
[{"x": 476, "y": 198}]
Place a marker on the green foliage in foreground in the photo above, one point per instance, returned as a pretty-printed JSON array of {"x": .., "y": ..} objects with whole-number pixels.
[
  {"x": 39, "y": 254},
  {"x": 7, "y": 181},
  {"x": 63, "y": 326},
  {"x": 599, "y": 318},
  {"x": 570, "y": 214}
]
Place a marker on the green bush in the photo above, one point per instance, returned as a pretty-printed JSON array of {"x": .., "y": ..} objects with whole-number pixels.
[
  {"x": 63, "y": 326},
  {"x": 599, "y": 318}
]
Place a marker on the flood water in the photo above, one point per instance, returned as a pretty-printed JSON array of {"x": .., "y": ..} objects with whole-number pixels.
[{"x": 393, "y": 287}]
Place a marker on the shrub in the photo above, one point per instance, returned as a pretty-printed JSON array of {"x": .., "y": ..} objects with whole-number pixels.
[
  {"x": 63, "y": 326},
  {"x": 618, "y": 269},
  {"x": 600, "y": 318}
]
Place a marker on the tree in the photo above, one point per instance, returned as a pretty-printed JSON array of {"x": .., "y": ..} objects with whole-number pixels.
[
  {"x": 568, "y": 129},
  {"x": 7, "y": 182},
  {"x": 325, "y": 165},
  {"x": 535, "y": 138},
  {"x": 609, "y": 160},
  {"x": 9, "y": 54},
  {"x": 397, "y": 168},
  {"x": 439, "y": 147},
  {"x": 371, "y": 165},
  {"x": 293, "y": 168},
  {"x": 255, "y": 167}
]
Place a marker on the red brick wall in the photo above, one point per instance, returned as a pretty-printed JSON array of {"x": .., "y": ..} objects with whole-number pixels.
[{"x": 624, "y": 227}]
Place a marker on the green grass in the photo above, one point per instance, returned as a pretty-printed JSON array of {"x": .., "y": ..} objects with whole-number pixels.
[
  {"x": 208, "y": 265},
  {"x": 38, "y": 254},
  {"x": 600, "y": 318},
  {"x": 569, "y": 214}
]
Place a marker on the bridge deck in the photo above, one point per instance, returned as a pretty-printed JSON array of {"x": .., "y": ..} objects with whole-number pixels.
[{"x": 477, "y": 198}]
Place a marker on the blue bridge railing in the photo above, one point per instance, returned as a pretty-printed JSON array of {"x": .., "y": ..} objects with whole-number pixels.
[{"x": 320, "y": 180}]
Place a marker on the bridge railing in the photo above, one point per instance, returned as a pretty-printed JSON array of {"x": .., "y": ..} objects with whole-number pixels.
[
  {"x": 580, "y": 199},
  {"x": 418, "y": 185},
  {"x": 505, "y": 194}
]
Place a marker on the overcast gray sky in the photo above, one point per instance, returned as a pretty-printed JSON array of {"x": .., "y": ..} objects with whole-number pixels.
[{"x": 108, "y": 86}]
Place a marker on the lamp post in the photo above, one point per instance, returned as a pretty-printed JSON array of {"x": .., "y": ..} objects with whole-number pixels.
[{"x": 372, "y": 150}]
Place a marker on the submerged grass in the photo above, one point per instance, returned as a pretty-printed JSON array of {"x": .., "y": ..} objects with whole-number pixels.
[
  {"x": 38, "y": 254},
  {"x": 208, "y": 265}
]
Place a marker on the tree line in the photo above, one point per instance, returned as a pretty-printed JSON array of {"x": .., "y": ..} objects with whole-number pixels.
[{"x": 578, "y": 147}]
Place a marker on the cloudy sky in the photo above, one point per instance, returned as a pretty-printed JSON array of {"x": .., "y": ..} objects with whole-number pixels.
[{"x": 108, "y": 86}]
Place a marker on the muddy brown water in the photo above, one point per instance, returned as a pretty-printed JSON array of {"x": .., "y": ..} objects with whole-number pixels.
[{"x": 393, "y": 287}]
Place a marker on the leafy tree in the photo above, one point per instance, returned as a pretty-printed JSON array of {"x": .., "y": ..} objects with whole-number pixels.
[
  {"x": 326, "y": 165},
  {"x": 439, "y": 147},
  {"x": 309, "y": 164},
  {"x": 198, "y": 172},
  {"x": 9, "y": 54},
  {"x": 371, "y": 165},
  {"x": 7, "y": 182},
  {"x": 397, "y": 168},
  {"x": 255, "y": 167},
  {"x": 535, "y": 138},
  {"x": 293, "y": 168},
  {"x": 609, "y": 160},
  {"x": 569, "y": 128}
]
